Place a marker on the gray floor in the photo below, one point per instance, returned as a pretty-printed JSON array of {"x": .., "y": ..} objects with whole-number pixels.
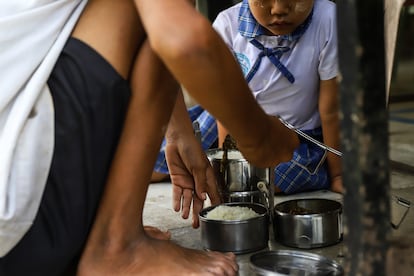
[{"x": 158, "y": 211}]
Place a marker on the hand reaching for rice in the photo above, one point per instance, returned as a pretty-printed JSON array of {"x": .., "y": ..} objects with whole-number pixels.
[{"x": 192, "y": 177}]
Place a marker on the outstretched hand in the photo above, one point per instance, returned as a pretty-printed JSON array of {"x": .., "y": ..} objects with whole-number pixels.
[{"x": 192, "y": 177}]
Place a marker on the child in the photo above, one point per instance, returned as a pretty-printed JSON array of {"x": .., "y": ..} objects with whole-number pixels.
[{"x": 287, "y": 51}]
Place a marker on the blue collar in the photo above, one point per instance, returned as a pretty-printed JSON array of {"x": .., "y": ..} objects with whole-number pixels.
[{"x": 250, "y": 28}]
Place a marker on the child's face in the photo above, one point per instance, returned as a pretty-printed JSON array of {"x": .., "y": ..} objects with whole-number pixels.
[{"x": 280, "y": 17}]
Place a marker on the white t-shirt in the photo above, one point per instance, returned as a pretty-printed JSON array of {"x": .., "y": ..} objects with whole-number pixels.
[
  {"x": 33, "y": 33},
  {"x": 311, "y": 59}
]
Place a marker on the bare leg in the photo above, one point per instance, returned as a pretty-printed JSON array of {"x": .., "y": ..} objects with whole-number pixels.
[{"x": 118, "y": 243}]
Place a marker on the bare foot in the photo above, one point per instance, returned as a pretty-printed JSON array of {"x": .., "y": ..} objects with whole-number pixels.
[
  {"x": 156, "y": 233},
  {"x": 148, "y": 256}
]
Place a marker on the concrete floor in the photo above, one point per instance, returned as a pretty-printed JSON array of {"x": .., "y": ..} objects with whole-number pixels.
[{"x": 158, "y": 211}]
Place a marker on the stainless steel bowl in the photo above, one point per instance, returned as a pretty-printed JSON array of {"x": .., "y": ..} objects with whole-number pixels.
[
  {"x": 237, "y": 236},
  {"x": 308, "y": 223},
  {"x": 288, "y": 262}
]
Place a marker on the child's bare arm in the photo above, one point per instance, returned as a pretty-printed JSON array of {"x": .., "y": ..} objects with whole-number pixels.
[{"x": 328, "y": 108}]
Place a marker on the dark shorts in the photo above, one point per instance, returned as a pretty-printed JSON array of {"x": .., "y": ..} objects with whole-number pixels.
[{"x": 90, "y": 100}]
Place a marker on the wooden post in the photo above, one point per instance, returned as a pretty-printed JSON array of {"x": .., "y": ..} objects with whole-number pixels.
[{"x": 364, "y": 136}]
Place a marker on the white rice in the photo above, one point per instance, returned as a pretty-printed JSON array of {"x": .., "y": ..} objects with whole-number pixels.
[
  {"x": 224, "y": 212},
  {"x": 231, "y": 155}
]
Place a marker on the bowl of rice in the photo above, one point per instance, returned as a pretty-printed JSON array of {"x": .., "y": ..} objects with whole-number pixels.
[{"x": 234, "y": 227}]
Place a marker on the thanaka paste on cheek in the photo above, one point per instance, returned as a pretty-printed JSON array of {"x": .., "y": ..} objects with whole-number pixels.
[
  {"x": 257, "y": 3},
  {"x": 300, "y": 7}
]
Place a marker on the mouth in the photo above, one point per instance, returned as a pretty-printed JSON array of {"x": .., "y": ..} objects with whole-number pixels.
[
  {"x": 279, "y": 24},
  {"x": 280, "y": 27}
]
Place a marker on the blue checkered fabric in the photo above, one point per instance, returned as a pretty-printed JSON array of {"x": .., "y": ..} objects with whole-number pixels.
[
  {"x": 273, "y": 54},
  {"x": 303, "y": 172},
  {"x": 250, "y": 28},
  {"x": 208, "y": 128},
  {"x": 300, "y": 174}
]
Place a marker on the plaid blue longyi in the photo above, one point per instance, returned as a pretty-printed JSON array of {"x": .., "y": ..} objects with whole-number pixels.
[
  {"x": 303, "y": 172},
  {"x": 208, "y": 128},
  {"x": 300, "y": 174}
]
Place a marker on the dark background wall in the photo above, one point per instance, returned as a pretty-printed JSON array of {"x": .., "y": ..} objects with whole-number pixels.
[{"x": 210, "y": 8}]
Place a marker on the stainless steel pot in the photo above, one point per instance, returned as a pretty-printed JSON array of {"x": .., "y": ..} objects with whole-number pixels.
[
  {"x": 308, "y": 223},
  {"x": 239, "y": 181},
  {"x": 238, "y": 236}
]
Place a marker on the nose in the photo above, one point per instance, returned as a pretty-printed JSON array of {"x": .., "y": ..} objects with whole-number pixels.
[{"x": 280, "y": 8}]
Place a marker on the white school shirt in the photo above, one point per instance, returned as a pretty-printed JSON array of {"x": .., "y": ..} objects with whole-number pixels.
[
  {"x": 311, "y": 59},
  {"x": 32, "y": 35}
]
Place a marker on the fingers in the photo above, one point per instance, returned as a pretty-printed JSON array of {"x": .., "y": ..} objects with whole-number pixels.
[
  {"x": 212, "y": 187},
  {"x": 205, "y": 182},
  {"x": 197, "y": 207},
  {"x": 177, "y": 193},
  {"x": 200, "y": 183},
  {"x": 186, "y": 203},
  {"x": 182, "y": 199}
]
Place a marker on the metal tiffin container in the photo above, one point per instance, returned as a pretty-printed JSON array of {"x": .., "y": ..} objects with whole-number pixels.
[
  {"x": 308, "y": 222},
  {"x": 236, "y": 227},
  {"x": 240, "y": 181}
]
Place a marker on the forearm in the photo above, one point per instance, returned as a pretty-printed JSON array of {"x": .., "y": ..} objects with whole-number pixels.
[
  {"x": 191, "y": 174},
  {"x": 328, "y": 109},
  {"x": 180, "y": 123},
  {"x": 215, "y": 79},
  {"x": 331, "y": 136}
]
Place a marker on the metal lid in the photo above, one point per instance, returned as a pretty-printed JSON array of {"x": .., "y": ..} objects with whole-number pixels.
[{"x": 289, "y": 262}]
